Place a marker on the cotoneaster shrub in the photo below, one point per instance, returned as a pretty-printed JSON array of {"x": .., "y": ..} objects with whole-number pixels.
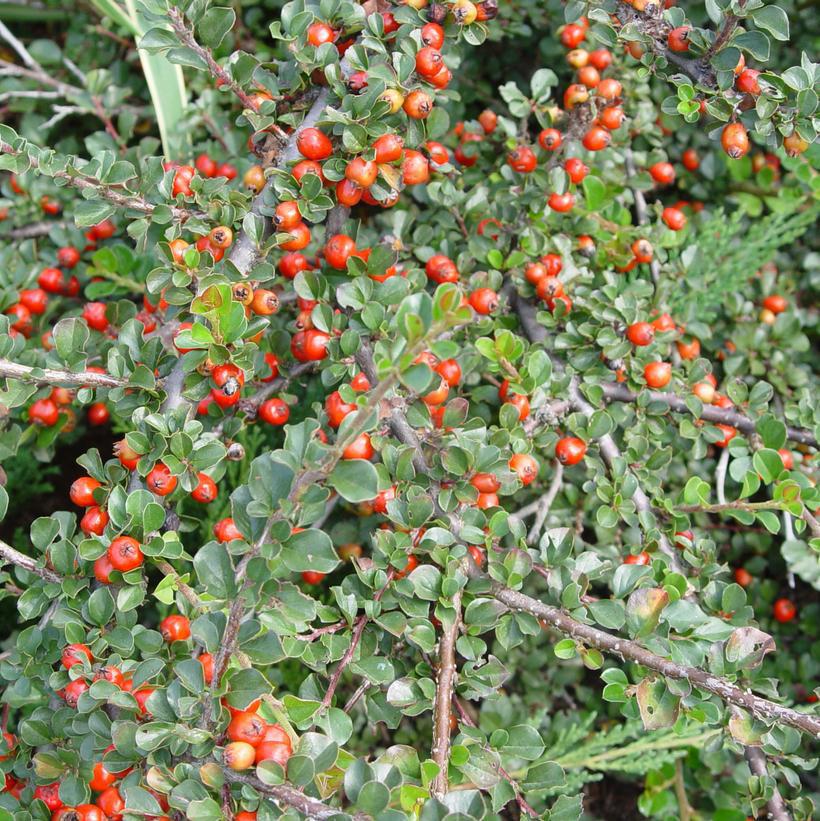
[{"x": 408, "y": 410}]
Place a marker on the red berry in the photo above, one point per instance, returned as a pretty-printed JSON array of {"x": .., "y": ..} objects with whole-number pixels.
[
  {"x": 205, "y": 491},
  {"x": 160, "y": 480},
  {"x": 570, "y": 450},
  {"x": 274, "y": 411},
  {"x": 175, "y": 628},
  {"x": 125, "y": 554},
  {"x": 784, "y": 610}
]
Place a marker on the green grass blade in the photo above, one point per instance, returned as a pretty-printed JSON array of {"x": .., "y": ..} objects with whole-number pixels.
[{"x": 166, "y": 84}]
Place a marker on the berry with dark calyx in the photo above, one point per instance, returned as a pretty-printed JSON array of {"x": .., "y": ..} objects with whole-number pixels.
[
  {"x": 576, "y": 170},
  {"x": 484, "y": 301},
  {"x": 274, "y": 412},
  {"x": 264, "y": 302},
  {"x": 429, "y": 61},
  {"x": 206, "y": 491},
  {"x": 735, "y": 140},
  {"x": 570, "y": 450},
  {"x": 678, "y": 39},
  {"x": 550, "y": 139},
  {"x": 522, "y": 159},
  {"x": 175, "y": 628},
  {"x": 160, "y": 480},
  {"x": 125, "y": 554},
  {"x": 525, "y": 466},
  {"x": 418, "y": 105}
]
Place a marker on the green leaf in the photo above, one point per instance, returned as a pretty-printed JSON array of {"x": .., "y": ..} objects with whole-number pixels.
[
  {"x": 355, "y": 480},
  {"x": 774, "y": 20},
  {"x": 214, "y": 25},
  {"x": 594, "y": 193},
  {"x": 310, "y": 549},
  {"x": 215, "y": 570}
]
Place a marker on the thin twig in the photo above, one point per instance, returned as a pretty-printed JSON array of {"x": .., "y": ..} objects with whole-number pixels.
[
  {"x": 11, "y": 556},
  {"x": 545, "y": 503},
  {"x": 610, "y": 452},
  {"x": 684, "y": 807},
  {"x": 632, "y": 651},
  {"x": 445, "y": 687},
  {"x": 35, "y": 229},
  {"x": 285, "y": 794},
  {"x": 86, "y": 182},
  {"x": 710, "y": 413},
  {"x": 756, "y": 759},
  {"x": 49, "y": 376}
]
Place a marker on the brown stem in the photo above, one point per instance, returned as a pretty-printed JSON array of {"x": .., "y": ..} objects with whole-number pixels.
[
  {"x": 35, "y": 229},
  {"x": 285, "y": 794},
  {"x": 48, "y": 376},
  {"x": 11, "y": 556},
  {"x": 632, "y": 651},
  {"x": 336, "y": 677},
  {"x": 657, "y": 30},
  {"x": 358, "y": 631},
  {"x": 756, "y": 759},
  {"x": 725, "y": 32},
  {"x": 445, "y": 687},
  {"x": 750, "y": 507},
  {"x": 84, "y": 182},
  {"x": 725, "y": 416},
  {"x": 186, "y": 37}
]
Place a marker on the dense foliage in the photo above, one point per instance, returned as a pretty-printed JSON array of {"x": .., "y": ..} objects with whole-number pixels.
[{"x": 408, "y": 410}]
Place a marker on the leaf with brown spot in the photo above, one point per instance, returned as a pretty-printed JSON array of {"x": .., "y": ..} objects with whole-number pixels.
[
  {"x": 643, "y": 610},
  {"x": 658, "y": 707}
]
